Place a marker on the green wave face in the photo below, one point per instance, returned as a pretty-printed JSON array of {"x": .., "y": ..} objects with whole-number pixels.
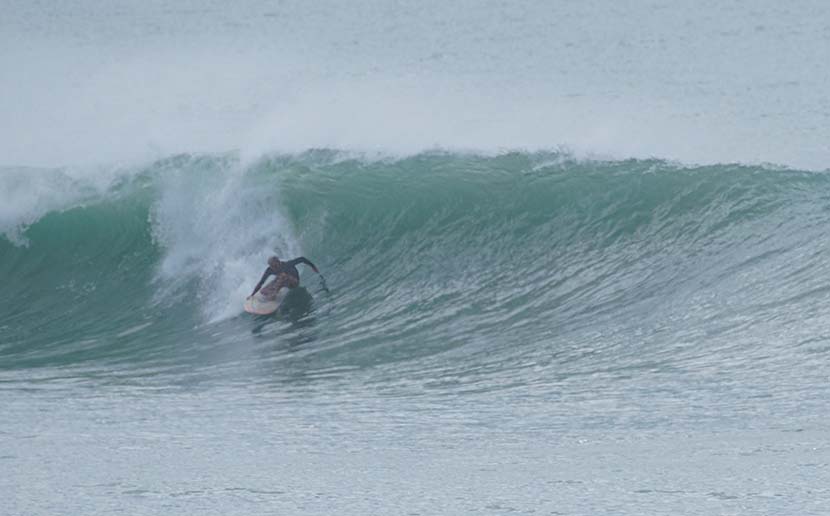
[{"x": 432, "y": 261}]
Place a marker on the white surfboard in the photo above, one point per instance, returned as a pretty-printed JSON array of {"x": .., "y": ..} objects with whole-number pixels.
[{"x": 259, "y": 305}]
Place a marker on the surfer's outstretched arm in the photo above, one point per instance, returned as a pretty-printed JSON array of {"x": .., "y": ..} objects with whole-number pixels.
[
  {"x": 262, "y": 280},
  {"x": 302, "y": 259}
]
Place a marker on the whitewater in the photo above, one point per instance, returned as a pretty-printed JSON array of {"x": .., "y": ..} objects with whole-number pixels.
[{"x": 576, "y": 257}]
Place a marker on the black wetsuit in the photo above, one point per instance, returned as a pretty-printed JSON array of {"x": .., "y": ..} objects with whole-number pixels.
[{"x": 289, "y": 267}]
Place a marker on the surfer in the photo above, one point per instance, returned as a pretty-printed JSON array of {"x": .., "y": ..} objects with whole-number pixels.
[{"x": 286, "y": 276}]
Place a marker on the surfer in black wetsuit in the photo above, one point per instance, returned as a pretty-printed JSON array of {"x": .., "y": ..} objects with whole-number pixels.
[{"x": 286, "y": 276}]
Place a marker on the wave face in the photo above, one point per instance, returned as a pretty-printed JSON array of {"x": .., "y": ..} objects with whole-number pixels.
[{"x": 445, "y": 270}]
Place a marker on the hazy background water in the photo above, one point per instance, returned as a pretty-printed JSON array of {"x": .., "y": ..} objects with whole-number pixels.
[{"x": 704, "y": 82}]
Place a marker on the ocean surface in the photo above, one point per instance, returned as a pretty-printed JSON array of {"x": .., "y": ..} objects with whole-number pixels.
[{"x": 576, "y": 257}]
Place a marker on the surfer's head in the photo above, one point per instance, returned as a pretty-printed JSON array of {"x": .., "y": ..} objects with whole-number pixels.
[{"x": 274, "y": 262}]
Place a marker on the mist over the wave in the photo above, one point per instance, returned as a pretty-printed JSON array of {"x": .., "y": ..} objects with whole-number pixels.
[{"x": 141, "y": 82}]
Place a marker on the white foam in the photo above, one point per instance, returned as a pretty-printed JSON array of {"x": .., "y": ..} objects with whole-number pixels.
[
  {"x": 217, "y": 226},
  {"x": 27, "y": 194}
]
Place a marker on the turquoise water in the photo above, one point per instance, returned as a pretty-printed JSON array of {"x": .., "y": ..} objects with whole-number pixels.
[{"x": 575, "y": 258}]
